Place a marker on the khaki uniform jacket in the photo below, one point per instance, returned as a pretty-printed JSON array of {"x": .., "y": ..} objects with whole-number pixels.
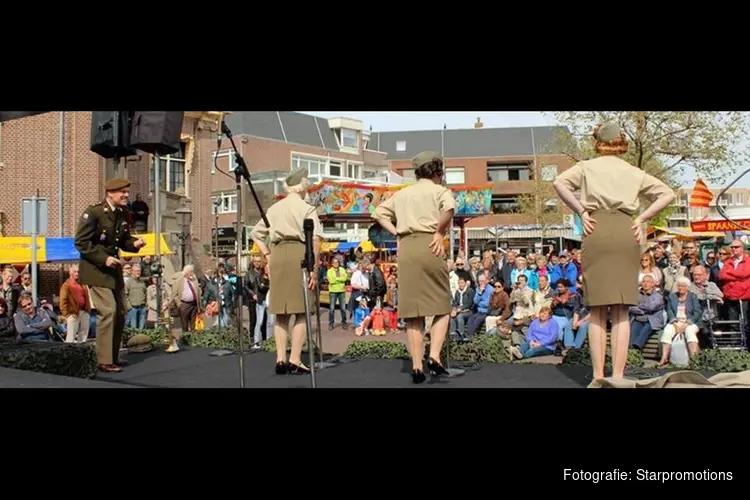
[{"x": 101, "y": 233}]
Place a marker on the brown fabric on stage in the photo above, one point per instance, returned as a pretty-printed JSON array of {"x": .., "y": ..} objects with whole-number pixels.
[
  {"x": 610, "y": 261},
  {"x": 423, "y": 283},
  {"x": 285, "y": 287},
  {"x": 679, "y": 380}
]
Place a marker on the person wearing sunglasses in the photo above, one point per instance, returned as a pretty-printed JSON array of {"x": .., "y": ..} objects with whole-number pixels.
[{"x": 735, "y": 278}]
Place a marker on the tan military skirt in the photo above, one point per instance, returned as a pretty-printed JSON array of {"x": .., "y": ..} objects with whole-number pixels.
[
  {"x": 423, "y": 284},
  {"x": 285, "y": 287},
  {"x": 610, "y": 261}
]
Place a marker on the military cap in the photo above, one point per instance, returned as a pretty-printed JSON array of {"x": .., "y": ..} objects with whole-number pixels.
[
  {"x": 295, "y": 178},
  {"x": 116, "y": 184},
  {"x": 140, "y": 343},
  {"x": 425, "y": 157},
  {"x": 608, "y": 132}
]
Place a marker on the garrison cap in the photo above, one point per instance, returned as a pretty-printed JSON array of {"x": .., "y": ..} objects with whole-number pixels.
[
  {"x": 425, "y": 157},
  {"x": 116, "y": 184},
  {"x": 295, "y": 178},
  {"x": 608, "y": 132},
  {"x": 140, "y": 343}
]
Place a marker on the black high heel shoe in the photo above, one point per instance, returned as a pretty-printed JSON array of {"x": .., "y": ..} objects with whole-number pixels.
[
  {"x": 417, "y": 376},
  {"x": 436, "y": 369},
  {"x": 298, "y": 369},
  {"x": 282, "y": 368}
]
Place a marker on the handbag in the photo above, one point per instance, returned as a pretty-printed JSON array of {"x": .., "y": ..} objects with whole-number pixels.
[{"x": 200, "y": 323}]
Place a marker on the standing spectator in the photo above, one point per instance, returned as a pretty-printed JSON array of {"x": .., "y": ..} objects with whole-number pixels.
[
  {"x": 7, "y": 326},
  {"x": 75, "y": 308},
  {"x": 735, "y": 277},
  {"x": 152, "y": 316},
  {"x": 260, "y": 292},
  {"x": 136, "y": 299},
  {"x": 10, "y": 291},
  {"x": 336, "y": 277},
  {"x": 186, "y": 297}
]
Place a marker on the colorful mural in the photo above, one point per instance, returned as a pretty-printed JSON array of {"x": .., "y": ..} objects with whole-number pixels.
[{"x": 361, "y": 199}]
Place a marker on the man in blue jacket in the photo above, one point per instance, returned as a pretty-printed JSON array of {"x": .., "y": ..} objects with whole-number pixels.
[
  {"x": 564, "y": 269},
  {"x": 481, "y": 303}
]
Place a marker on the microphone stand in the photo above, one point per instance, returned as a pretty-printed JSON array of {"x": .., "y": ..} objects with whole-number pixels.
[
  {"x": 240, "y": 172},
  {"x": 307, "y": 265}
]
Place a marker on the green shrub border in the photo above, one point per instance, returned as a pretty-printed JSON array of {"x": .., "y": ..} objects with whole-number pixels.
[{"x": 54, "y": 358}]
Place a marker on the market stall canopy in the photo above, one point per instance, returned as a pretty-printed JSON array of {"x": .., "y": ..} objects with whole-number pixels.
[
  {"x": 17, "y": 250},
  {"x": 687, "y": 233}
]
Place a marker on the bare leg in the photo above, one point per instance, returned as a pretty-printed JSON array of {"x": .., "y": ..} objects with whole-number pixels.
[
  {"x": 280, "y": 334},
  {"x": 415, "y": 339},
  {"x": 298, "y": 339},
  {"x": 598, "y": 339},
  {"x": 438, "y": 333},
  {"x": 665, "y": 348},
  {"x": 693, "y": 348},
  {"x": 620, "y": 339}
]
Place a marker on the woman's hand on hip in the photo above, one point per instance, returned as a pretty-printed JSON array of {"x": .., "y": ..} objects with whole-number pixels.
[
  {"x": 589, "y": 223},
  {"x": 436, "y": 245},
  {"x": 637, "y": 228}
]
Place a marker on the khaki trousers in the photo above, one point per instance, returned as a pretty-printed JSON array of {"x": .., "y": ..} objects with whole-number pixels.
[
  {"x": 110, "y": 322},
  {"x": 78, "y": 327}
]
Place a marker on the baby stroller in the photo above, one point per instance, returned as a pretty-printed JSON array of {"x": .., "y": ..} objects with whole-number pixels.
[{"x": 727, "y": 335}]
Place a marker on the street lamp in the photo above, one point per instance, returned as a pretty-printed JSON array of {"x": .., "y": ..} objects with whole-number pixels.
[{"x": 184, "y": 219}]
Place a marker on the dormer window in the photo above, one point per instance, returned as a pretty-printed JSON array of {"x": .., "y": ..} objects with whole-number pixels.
[{"x": 349, "y": 139}]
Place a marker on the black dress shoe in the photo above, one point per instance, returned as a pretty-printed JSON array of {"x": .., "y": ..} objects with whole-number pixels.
[
  {"x": 417, "y": 376},
  {"x": 298, "y": 369},
  {"x": 436, "y": 369},
  {"x": 282, "y": 368}
]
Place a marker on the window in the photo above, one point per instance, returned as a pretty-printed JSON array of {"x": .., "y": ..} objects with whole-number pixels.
[
  {"x": 314, "y": 165},
  {"x": 504, "y": 204},
  {"x": 549, "y": 172},
  {"x": 354, "y": 170},
  {"x": 172, "y": 172},
  {"x": 454, "y": 175},
  {"x": 400, "y": 145},
  {"x": 497, "y": 172},
  {"x": 369, "y": 174},
  {"x": 408, "y": 173},
  {"x": 349, "y": 138},
  {"x": 723, "y": 200},
  {"x": 224, "y": 161},
  {"x": 227, "y": 203},
  {"x": 334, "y": 168}
]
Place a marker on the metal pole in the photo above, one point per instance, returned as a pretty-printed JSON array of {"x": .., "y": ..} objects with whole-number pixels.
[
  {"x": 240, "y": 318},
  {"x": 34, "y": 234},
  {"x": 183, "y": 238},
  {"x": 216, "y": 234},
  {"x": 157, "y": 235},
  {"x": 442, "y": 153},
  {"x": 60, "y": 198}
]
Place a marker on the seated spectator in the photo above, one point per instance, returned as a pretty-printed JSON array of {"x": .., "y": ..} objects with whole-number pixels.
[
  {"x": 576, "y": 336},
  {"x": 649, "y": 268},
  {"x": 683, "y": 315},
  {"x": 7, "y": 327},
  {"x": 648, "y": 316},
  {"x": 543, "y": 297},
  {"x": 709, "y": 295},
  {"x": 673, "y": 272},
  {"x": 361, "y": 317},
  {"x": 462, "y": 305},
  {"x": 499, "y": 310},
  {"x": 564, "y": 305},
  {"x": 523, "y": 300},
  {"x": 482, "y": 304},
  {"x": 31, "y": 323},
  {"x": 522, "y": 269},
  {"x": 541, "y": 338}
]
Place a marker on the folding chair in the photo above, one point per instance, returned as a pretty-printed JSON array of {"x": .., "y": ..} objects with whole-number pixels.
[{"x": 728, "y": 335}]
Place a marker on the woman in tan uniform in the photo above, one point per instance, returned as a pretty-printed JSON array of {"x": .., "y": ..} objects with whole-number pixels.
[
  {"x": 610, "y": 189},
  {"x": 422, "y": 213},
  {"x": 285, "y": 256}
]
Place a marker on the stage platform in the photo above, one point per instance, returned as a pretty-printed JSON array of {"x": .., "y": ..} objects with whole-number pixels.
[{"x": 196, "y": 368}]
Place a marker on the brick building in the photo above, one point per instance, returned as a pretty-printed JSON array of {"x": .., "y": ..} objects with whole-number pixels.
[
  {"x": 503, "y": 156},
  {"x": 29, "y": 155},
  {"x": 275, "y": 142}
]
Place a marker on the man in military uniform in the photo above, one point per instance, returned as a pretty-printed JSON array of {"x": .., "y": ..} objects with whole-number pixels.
[{"x": 102, "y": 231}]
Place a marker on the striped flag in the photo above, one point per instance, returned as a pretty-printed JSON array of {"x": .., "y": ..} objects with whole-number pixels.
[{"x": 701, "y": 195}]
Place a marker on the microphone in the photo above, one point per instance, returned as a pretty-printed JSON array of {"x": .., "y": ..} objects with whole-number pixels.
[{"x": 308, "y": 226}]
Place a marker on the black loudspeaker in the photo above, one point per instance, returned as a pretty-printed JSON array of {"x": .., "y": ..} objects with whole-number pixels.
[
  {"x": 157, "y": 132},
  {"x": 103, "y": 139}
]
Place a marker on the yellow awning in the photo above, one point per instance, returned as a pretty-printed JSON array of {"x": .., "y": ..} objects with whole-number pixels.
[
  {"x": 150, "y": 248},
  {"x": 17, "y": 250},
  {"x": 687, "y": 233}
]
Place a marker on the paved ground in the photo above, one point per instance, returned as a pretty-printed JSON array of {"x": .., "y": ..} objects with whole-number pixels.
[{"x": 21, "y": 379}]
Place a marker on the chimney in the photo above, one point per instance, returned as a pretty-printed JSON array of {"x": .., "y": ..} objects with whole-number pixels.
[{"x": 479, "y": 123}]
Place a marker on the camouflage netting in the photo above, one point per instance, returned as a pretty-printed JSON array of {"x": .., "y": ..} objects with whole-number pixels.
[{"x": 55, "y": 358}]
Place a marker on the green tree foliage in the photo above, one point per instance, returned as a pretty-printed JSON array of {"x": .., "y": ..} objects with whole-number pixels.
[
  {"x": 664, "y": 143},
  {"x": 541, "y": 204}
]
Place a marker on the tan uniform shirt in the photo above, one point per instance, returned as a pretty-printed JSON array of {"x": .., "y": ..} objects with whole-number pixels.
[
  {"x": 610, "y": 183},
  {"x": 286, "y": 217},
  {"x": 417, "y": 208}
]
